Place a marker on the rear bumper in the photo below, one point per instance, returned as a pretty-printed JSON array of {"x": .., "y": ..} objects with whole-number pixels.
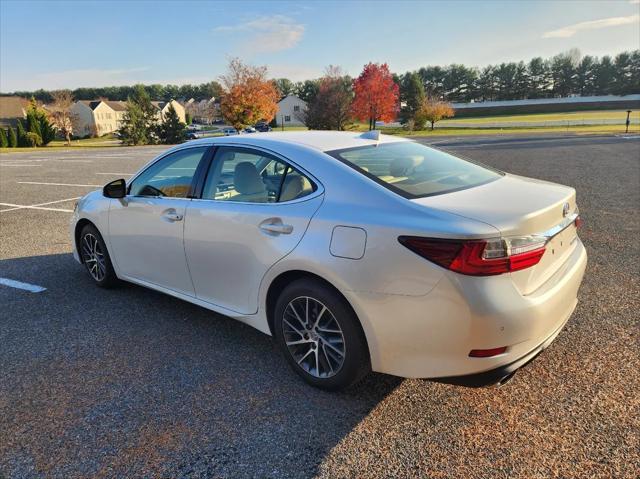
[
  {"x": 500, "y": 374},
  {"x": 430, "y": 336}
]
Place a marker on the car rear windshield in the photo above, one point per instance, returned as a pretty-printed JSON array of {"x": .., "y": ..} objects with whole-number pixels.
[{"x": 414, "y": 170}]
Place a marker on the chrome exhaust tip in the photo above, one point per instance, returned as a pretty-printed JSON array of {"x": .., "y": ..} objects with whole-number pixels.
[{"x": 505, "y": 379}]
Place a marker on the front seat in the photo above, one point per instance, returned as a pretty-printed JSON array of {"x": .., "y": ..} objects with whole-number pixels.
[{"x": 248, "y": 184}]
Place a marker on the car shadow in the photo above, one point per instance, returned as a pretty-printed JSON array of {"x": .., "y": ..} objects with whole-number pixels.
[{"x": 131, "y": 382}]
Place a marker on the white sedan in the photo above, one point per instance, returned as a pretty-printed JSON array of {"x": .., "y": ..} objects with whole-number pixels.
[{"x": 357, "y": 252}]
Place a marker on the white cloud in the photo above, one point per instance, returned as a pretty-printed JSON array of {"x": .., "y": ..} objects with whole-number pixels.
[
  {"x": 271, "y": 33},
  {"x": 634, "y": 2},
  {"x": 571, "y": 30}
]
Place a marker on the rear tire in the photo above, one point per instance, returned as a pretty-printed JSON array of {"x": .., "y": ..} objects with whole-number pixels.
[
  {"x": 320, "y": 335},
  {"x": 95, "y": 257}
]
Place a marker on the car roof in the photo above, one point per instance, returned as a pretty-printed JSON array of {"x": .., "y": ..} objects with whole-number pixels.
[{"x": 319, "y": 140}]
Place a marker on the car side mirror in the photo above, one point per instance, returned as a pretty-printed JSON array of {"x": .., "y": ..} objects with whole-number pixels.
[{"x": 115, "y": 189}]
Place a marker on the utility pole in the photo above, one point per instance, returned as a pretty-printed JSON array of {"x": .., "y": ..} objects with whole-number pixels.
[
  {"x": 282, "y": 122},
  {"x": 628, "y": 121}
]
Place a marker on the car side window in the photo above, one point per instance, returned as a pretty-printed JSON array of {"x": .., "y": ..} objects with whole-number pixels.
[
  {"x": 245, "y": 175},
  {"x": 171, "y": 176}
]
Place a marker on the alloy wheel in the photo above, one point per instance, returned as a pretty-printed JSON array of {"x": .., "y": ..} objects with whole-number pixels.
[
  {"x": 93, "y": 257},
  {"x": 313, "y": 337}
]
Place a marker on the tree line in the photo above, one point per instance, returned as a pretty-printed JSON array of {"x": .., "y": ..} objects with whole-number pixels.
[
  {"x": 562, "y": 75},
  {"x": 122, "y": 93}
]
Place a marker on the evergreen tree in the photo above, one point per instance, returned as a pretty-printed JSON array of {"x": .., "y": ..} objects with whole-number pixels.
[
  {"x": 413, "y": 96},
  {"x": 585, "y": 76},
  {"x": 563, "y": 72},
  {"x": 21, "y": 135},
  {"x": 33, "y": 125},
  {"x": 603, "y": 76},
  {"x": 487, "y": 84},
  {"x": 38, "y": 123},
  {"x": 172, "y": 130},
  {"x": 623, "y": 76},
  {"x": 12, "y": 139},
  {"x": 539, "y": 78},
  {"x": 3, "y": 138},
  {"x": 138, "y": 125}
]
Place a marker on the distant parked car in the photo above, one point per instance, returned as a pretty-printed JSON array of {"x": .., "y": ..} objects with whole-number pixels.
[
  {"x": 250, "y": 129},
  {"x": 230, "y": 131},
  {"x": 263, "y": 127}
]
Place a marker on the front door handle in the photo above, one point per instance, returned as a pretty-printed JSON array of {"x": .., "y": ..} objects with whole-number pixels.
[
  {"x": 274, "y": 226},
  {"x": 171, "y": 215}
]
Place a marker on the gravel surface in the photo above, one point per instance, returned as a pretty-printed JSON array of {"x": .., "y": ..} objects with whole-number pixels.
[{"x": 132, "y": 383}]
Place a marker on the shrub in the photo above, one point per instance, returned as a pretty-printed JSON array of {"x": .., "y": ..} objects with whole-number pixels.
[
  {"x": 32, "y": 139},
  {"x": 21, "y": 140},
  {"x": 3, "y": 138},
  {"x": 12, "y": 138}
]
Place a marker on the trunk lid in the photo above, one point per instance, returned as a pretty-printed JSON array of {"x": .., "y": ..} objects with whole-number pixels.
[{"x": 519, "y": 206}]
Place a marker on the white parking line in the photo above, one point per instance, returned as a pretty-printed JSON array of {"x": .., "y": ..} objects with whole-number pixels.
[
  {"x": 39, "y": 206},
  {"x": 12, "y": 283},
  {"x": 56, "y": 184},
  {"x": 3, "y": 165}
]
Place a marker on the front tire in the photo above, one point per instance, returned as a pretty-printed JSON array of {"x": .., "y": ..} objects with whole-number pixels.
[
  {"x": 320, "y": 335},
  {"x": 95, "y": 257}
]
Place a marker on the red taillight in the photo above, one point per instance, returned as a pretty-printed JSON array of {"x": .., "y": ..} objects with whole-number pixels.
[
  {"x": 478, "y": 257},
  {"x": 578, "y": 222},
  {"x": 486, "y": 353}
]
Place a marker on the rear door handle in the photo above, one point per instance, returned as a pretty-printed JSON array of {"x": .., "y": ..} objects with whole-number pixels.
[
  {"x": 171, "y": 215},
  {"x": 275, "y": 226}
]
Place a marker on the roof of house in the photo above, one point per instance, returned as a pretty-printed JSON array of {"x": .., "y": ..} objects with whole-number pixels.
[
  {"x": 93, "y": 104},
  {"x": 13, "y": 107},
  {"x": 293, "y": 96},
  {"x": 117, "y": 105}
]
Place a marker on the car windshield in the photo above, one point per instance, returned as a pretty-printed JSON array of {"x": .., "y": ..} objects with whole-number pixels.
[{"x": 414, "y": 170}]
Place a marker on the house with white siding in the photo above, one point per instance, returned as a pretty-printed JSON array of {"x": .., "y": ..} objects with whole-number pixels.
[
  {"x": 291, "y": 111},
  {"x": 101, "y": 117}
]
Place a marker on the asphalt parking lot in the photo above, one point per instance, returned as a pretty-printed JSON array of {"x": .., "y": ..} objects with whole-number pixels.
[{"x": 131, "y": 383}]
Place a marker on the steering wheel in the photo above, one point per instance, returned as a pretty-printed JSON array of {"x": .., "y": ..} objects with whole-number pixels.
[{"x": 148, "y": 190}]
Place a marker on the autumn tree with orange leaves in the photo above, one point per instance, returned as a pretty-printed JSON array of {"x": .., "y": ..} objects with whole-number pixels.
[
  {"x": 376, "y": 95},
  {"x": 248, "y": 96}
]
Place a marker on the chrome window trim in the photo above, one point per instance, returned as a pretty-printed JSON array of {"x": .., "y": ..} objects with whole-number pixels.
[
  {"x": 319, "y": 190},
  {"x": 160, "y": 158}
]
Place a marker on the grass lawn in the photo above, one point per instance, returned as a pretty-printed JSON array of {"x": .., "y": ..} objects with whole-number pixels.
[
  {"x": 108, "y": 140},
  {"x": 585, "y": 130},
  {"x": 579, "y": 129},
  {"x": 564, "y": 116}
]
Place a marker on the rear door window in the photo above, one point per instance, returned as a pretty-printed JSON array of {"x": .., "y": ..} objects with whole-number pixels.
[{"x": 251, "y": 176}]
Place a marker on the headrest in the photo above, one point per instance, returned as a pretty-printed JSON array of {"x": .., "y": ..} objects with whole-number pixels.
[
  {"x": 246, "y": 179},
  {"x": 404, "y": 165},
  {"x": 293, "y": 187}
]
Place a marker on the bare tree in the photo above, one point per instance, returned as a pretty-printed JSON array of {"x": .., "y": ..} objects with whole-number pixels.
[{"x": 61, "y": 114}]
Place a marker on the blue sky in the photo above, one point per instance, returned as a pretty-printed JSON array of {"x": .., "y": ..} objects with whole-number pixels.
[{"x": 55, "y": 44}]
